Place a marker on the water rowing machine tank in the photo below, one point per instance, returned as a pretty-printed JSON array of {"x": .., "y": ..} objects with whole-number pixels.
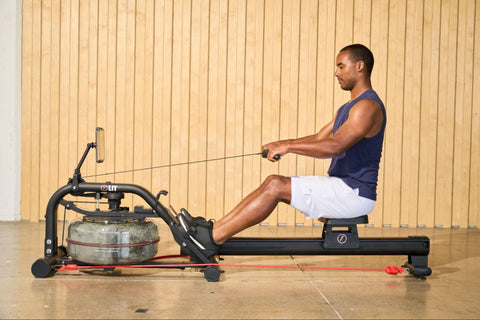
[{"x": 112, "y": 240}]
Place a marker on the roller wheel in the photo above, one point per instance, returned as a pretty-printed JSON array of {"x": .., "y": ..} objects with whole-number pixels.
[
  {"x": 42, "y": 268},
  {"x": 421, "y": 272},
  {"x": 212, "y": 273}
]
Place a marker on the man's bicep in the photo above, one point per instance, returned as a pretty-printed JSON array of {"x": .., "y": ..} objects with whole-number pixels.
[{"x": 327, "y": 131}]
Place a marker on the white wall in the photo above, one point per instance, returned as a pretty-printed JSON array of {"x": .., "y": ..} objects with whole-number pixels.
[{"x": 10, "y": 107}]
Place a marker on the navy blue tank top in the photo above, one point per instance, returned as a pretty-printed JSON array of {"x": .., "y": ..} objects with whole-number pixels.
[{"x": 358, "y": 166}]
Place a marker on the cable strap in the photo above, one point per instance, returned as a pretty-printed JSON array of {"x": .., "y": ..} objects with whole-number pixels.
[{"x": 389, "y": 269}]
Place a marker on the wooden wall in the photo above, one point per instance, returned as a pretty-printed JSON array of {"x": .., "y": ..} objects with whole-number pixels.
[{"x": 177, "y": 81}]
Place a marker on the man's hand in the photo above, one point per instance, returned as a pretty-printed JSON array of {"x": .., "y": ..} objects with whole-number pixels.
[{"x": 276, "y": 149}]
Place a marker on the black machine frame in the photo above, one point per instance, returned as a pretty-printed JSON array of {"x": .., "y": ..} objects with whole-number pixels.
[{"x": 339, "y": 236}]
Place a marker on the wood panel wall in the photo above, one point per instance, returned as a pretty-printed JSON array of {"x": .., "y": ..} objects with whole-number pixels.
[{"x": 183, "y": 81}]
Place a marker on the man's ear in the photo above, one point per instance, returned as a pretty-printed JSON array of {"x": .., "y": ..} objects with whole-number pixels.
[{"x": 360, "y": 66}]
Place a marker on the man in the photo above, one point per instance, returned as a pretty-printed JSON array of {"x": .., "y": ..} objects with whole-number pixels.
[{"x": 353, "y": 139}]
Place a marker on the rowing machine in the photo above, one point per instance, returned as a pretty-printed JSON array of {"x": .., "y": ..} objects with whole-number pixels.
[{"x": 339, "y": 236}]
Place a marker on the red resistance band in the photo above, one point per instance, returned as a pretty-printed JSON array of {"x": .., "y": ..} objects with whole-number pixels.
[
  {"x": 112, "y": 245},
  {"x": 389, "y": 269}
]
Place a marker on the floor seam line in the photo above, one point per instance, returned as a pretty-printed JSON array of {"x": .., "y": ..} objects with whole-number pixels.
[
  {"x": 324, "y": 297},
  {"x": 312, "y": 283}
]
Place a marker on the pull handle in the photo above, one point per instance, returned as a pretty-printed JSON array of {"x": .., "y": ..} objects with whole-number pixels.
[{"x": 265, "y": 154}]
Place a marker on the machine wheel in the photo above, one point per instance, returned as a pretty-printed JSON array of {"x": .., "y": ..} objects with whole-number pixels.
[
  {"x": 42, "y": 268},
  {"x": 212, "y": 273},
  {"x": 421, "y": 272}
]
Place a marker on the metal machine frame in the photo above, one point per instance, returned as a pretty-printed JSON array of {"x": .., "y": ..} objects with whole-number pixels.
[{"x": 339, "y": 236}]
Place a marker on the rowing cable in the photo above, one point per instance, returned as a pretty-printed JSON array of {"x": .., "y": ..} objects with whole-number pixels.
[
  {"x": 389, "y": 269},
  {"x": 264, "y": 154}
]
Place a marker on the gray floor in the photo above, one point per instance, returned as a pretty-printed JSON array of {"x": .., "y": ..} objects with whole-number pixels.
[{"x": 451, "y": 292}]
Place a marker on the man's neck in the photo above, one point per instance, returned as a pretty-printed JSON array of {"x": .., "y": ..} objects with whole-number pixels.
[{"x": 359, "y": 88}]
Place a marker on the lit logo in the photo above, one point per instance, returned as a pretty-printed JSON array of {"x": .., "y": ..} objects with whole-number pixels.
[
  {"x": 109, "y": 188},
  {"x": 342, "y": 238}
]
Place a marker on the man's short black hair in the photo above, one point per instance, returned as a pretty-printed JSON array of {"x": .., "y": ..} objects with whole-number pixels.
[{"x": 358, "y": 52}]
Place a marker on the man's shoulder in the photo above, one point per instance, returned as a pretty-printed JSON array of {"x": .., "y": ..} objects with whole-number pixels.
[
  {"x": 369, "y": 111},
  {"x": 367, "y": 105}
]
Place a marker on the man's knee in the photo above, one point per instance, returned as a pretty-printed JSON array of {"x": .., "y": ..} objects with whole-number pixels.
[
  {"x": 275, "y": 179},
  {"x": 278, "y": 186}
]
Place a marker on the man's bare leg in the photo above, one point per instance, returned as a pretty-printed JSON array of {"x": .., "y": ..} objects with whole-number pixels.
[{"x": 255, "y": 208}]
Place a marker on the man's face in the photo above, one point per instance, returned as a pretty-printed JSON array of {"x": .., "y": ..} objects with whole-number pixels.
[{"x": 346, "y": 71}]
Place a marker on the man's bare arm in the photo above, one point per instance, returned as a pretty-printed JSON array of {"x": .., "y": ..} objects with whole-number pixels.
[{"x": 365, "y": 120}]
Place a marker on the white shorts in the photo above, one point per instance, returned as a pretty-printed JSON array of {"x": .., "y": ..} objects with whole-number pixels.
[{"x": 328, "y": 197}]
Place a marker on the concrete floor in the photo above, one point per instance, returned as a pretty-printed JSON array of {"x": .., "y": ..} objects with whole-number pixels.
[{"x": 451, "y": 292}]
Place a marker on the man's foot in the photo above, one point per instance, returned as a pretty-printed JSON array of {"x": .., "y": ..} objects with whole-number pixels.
[
  {"x": 193, "y": 222},
  {"x": 200, "y": 232}
]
